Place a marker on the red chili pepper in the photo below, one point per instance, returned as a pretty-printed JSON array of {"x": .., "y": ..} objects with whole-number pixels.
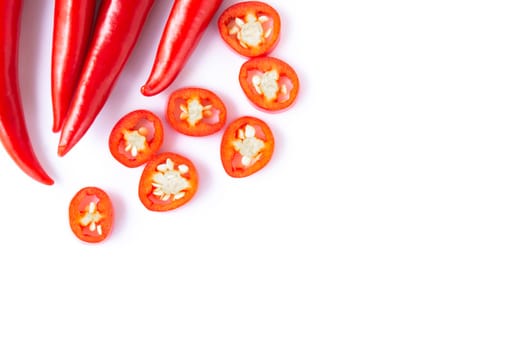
[
  {"x": 183, "y": 30},
  {"x": 13, "y": 129},
  {"x": 73, "y": 21},
  {"x": 118, "y": 27}
]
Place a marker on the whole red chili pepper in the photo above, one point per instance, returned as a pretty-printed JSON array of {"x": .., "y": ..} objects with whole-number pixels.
[
  {"x": 117, "y": 29},
  {"x": 185, "y": 25},
  {"x": 73, "y": 21},
  {"x": 13, "y": 130}
]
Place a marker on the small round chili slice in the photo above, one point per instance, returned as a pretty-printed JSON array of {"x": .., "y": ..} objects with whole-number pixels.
[
  {"x": 247, "y": 146},
  {"x": 269, "y": 83},
  {"x": 136, "y": 137},
  {"x": 168, "y": 181},
  {"x": 91, "y": 214},
  {"x": 251, "y": 28},
  {"x": 196, "y": 111}
]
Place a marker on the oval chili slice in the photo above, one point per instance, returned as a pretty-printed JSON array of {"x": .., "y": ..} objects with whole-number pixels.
[
  {"x": 251, "y": 28},
  {"x": 136, "y": 137},
  {"x": 246, "y": 147},
  {"x": 196, "y": 111},
  {"x": 269, "y": 83},
  {"x": 168, "y": 181},
  {"x": 91, "y": 214}
]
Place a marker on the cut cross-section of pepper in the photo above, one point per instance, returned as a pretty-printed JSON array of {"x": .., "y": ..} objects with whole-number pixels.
[
  {"x": 168, "y": 181},
  {"x": 269, "y": 83},
  {"x": 136, "y": 137},
  {"x": 91, "y": 214},
  {"x": 246, "y": 147},
  {"x": 196, "y": 111},
  {"x": 251, "y": 28}
]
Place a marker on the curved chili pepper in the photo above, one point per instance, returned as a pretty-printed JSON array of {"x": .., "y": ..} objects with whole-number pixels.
[
  {"x": 73, "y": 21},
  {"x": 117, "y": 29},
  {"x": 13, "y": 129},
  {"x": 185, "y": 25}
]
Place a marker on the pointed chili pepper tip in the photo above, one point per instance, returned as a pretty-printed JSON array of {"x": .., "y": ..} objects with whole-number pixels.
[
  {"x": 147, "y": 90},
  {"x": 39, "y": 174},
  {"x": 47, "y": 181},
  {"x": 62, "y": 150}
]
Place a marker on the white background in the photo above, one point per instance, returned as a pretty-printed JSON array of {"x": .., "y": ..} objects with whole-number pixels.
[{"x": 391, "y": 216}]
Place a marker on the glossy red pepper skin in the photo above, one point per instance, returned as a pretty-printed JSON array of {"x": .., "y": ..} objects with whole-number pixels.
[
  {"x": 183, "y": 30},
  {"x": 118, "y": 26},
  {"x": 72, "y": 25},
  {"x": 13, "y": 129}
]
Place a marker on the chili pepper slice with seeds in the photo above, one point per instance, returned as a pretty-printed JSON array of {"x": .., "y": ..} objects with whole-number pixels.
[
  {"x": 13, "y": 129},
  {"x": 247, "y": 146},
  {"x": 168, "y": 181},
  {"x": 196, "y": 111},
  {"x": 72, "y": 24},
  {"x": 183, "y": 30},
  {"x": 136, "y": 137},
  {"x": 250, "y": 28},
  {"x": 91, "y": 214},
  {"x": 117, "y": 29},
  {"x": 269, "y": 83}
]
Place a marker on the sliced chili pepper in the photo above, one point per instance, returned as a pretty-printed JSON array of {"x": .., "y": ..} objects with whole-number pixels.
[
  {"x": 118, "y": 27},
  {"x": 168, "y": 181},
  {"x": 136, "y": 137},
  {"x": 196, "y": 111},
  {"x": 246, "y": 147},
  {"x": 269, "y": 83},
  {"x": 13, "y": 129},
  {"x": 183, "y": 30},
  {"x": 91, "y": 214},
  {"x": 250, "y": 28},
  {"x": 72, "y": 25}
]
